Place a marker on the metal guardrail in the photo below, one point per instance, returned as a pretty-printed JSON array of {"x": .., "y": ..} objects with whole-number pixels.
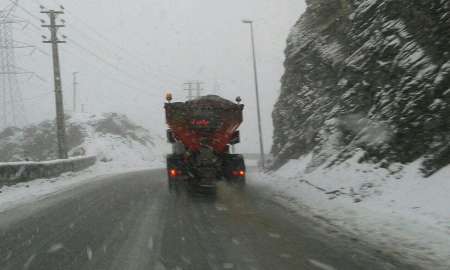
[{"x": 16, "y": 172}]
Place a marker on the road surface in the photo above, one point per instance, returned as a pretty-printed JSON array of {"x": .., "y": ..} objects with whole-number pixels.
[{"x": 132, "y": 221}]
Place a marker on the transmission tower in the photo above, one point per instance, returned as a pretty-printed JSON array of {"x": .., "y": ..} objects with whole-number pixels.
[
  {"x": 188, "y": 87},
  {"x": 217, "y": 88},
  {"x": 192, "y": 86},
  {"x": 12, "y": 111},
  {"x": 199, "y": 88}
]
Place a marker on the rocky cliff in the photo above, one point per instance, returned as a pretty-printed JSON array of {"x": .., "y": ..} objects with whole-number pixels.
[{"x": 367, "y": 75}]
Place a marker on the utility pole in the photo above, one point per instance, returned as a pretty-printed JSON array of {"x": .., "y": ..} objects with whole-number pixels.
[
  {"x": 75, "y": 84},
  {"x": 261, "y": 143},
  {"x": 54, "y": 41}
]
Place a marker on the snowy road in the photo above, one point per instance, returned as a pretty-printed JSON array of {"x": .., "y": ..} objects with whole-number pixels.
[{"x": 131, "y": 221}]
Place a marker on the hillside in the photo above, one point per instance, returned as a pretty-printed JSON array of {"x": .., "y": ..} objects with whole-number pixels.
[
  {"x": 362, "y": 133},
  {"x": 111, "y": 137},
  {"x": 370, "y": 76}
]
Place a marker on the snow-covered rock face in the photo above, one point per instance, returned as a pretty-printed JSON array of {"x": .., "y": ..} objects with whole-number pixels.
[
  {"x": 368, "y": 74},
  {"x": 110, "y": 137}
]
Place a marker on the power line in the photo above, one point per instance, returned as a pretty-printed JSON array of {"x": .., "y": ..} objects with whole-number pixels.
[
  {"x": 103, "y": 37},
  {"x": 126, "y": 86},
  {"x": 108, "y": 75},
  {"x": 25, "y": 10},
  {"x": 137, "y": 65},
  {"x": 107, "y": 63},
  {"x": 34, "y": 97},
  {"x": 101, "y": 59},
  {"x": 109, "y": 41},
  {"x": 27, "y": 23},
  {"x": 10, "y": 9},
  {"x": 91, "y": 52},
  {"x": 28, "y": 12}
]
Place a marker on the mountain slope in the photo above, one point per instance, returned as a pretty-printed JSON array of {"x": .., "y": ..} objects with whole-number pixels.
[
  {"x": 371, "y": 75},
  {"x": 111, "y": 137}
]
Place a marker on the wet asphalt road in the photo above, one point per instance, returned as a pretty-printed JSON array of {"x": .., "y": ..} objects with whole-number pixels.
[{"x": 132, "y": 221}]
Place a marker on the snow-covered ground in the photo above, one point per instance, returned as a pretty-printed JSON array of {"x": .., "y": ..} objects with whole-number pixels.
[
  {"x": 131, "y": 146},
  {"x": 115, "y": 154},
  {"x": 28, "y": 192},
  {"x": 396, "y": 208}
]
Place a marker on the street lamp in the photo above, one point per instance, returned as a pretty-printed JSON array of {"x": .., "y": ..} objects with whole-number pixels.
[{"x": 261, "y": 143}]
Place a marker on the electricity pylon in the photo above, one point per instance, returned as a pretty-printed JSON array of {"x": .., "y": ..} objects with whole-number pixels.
[
  {"x": 12, "y": 112},
  {"x": 192, "y": 86}
]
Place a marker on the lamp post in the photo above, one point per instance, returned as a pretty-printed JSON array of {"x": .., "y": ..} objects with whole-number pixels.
[{"x": 261, "y": 143}]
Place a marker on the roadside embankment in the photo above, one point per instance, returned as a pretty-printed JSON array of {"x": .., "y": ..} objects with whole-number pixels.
[{"x": 16, "y": 172}]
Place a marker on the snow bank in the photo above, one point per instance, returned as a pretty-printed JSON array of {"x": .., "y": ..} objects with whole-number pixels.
[
  {"x": 115, "y": 139},
  {"x": 119, "y": 147},
  {"x": 396, "y": 208},
  {"x": 15, "y": 172},
  {"x": 23, "y": 193},
  {"x": 48, "y": 162},
  {"x": 123, "y": 157}
]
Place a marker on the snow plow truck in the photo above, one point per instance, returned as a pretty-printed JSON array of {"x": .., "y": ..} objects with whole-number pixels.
[{"x": 202, "y": 132}]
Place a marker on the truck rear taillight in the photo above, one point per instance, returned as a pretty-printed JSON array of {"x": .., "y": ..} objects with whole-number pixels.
[
  {"x": 173, "y": 173},
  {"x": 239, "y": 173}
]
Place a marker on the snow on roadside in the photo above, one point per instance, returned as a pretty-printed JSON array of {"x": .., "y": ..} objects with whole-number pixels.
[
  {"x": 48, "y": 162},
  {"x": 28, "y": 192},
  {"x": 395, "y": 208},
  {"x": 115, "y": 154}
]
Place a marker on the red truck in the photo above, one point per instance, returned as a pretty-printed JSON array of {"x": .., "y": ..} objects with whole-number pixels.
[{"x": 202, "y": 132}]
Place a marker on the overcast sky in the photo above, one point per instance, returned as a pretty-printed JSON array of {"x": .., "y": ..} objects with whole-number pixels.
[{"x": 130, "y": 53}]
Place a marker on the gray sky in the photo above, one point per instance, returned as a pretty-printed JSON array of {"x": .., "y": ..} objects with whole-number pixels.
[{"x": 130, "y": 53}]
